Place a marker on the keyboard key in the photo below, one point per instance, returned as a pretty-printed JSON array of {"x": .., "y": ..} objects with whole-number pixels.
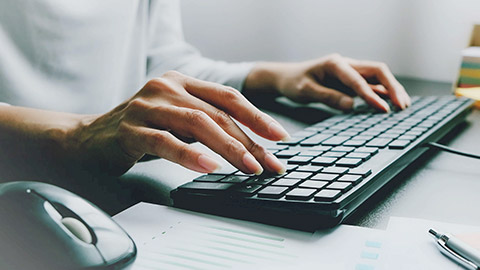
[
  {"x": 363, "y": 156},
  {"x": 309, "y": 168},
  {"x": 206, "y": 187},
  {"x": 260, "y": 180},
  {"x": 407, "y": 137},
  {"x": 360, "y": 171},
  {"x": 334, "y": 154},
  {"x": 287, "y": 153},
  {"x": 292, "y": 141},
  {"x": 298, "y": 175},
  {"x": 302, "y": 160},
  {"x": 399, "y": 144},
  {"x": 300, "y": 194},
  {"x": 342, "y": 149},
  {"x": 247, "y": 190},
  {"x": 322, "y": 148},
  {"x": 208, "y": 178},
  {"x": 379, "y": 142},
  {"x": 336, "y": 170},
  {"x": 313, "y": 184},
  {"x": 348, "y": 162},
  {"x": 327, "y": 161},
  {"x": 277, "y": 147},
  {"x": 371, "y": 150},
  {"x": 315, "y": 140},
  {"x": 352, "y": 178},
  {"x": 343, "y": 186},
  {"x": 291, "y": 167},
  {"x": 310, "y": 153},
  {"x": 225, "y": 169},
  {"x": 355, "y": 142},
  {"x": 325, "y": 176},
  {"x": 286, "y": 182},
  {"x": 272, "y": 192},
  {"x": 336, "y": 140},
  {"x": 234, "y": 179},
  {"x": 327, "y": 195}
]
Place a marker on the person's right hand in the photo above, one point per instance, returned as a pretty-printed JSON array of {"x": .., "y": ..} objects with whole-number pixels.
[{"x": 173, "y": 109}]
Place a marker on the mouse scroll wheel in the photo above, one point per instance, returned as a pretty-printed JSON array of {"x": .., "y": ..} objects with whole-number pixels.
[{"x": 77, "y": 228}]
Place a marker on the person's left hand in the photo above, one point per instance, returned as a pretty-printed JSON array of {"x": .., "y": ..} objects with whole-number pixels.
[{"x": 319, "y": 80}]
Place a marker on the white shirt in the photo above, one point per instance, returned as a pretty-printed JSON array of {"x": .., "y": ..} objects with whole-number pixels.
[{"x": 88, "y": 56}]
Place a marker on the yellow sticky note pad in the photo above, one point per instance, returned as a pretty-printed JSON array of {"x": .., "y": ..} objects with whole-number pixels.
[{"x": 471, "y": 92}]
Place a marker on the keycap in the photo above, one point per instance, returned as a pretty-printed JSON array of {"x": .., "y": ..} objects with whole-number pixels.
[
  {"x": 315, "y": 140},
  {"x": 336, "y": 140},
  {"x": 206, "y": 187},
  {"x": 379, "y": 142},
  {"x": 322, "y": 148},
  {"x": 399, "y": 144},
  {"x": 313, "y": 184},
  {"x": 300, "y": 194},
  {"x": 343, "y": 186},
  {"x": 407, "y": 137},
  {"x": 354, "y": 142},
  {"x": 309, "y": 168},
  {"x": 371, "y": 150},
  {"x": 286, "y": 182},
  {"x": 337, "y": 170},
  {"x": 302, "y": 160},
  {"x": 334, "y": 154},
  {"x": 246, "y": 190},
  {"x": 272, "y": 192},
  {"x": 287, "y": 153},
  {"x": 325, "y": 176},
  {"x": 260, "y": 180},
  {"x": 298, "y": 175},
  {"x": 360, "y": 171},
  {"x": 310, "y": 153},
  {"x": 291, "y": 167},
  {"x": 348, "y": 162},
  {"x": 352, "y": 178},
  {"x": 208, "y": 178},
  {"x": 234, "y": 179},
  {"x": 277, "y": 147},
  {"x": 323, "y": 161},
  {"x": 342, "y": 149},
  {"x": 327, "y": 195},
  {"x": 292, "y": 141},
  {"x": 363, "y": 156},
  {"x": 225, "y": 169}
]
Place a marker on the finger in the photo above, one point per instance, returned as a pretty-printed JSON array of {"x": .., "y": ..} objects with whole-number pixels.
[
  {"x": 396, "y": 91},
  {"x": 163, "y": 144},
  {"x": 236, "y": 105},
  {"x": 351, "y": 78},
  {"x": 379, "y": 89},
  {"x": 331, "y": 97},
  {"x": 266, "y": 159},
  {"x": 197, "y": 124}
]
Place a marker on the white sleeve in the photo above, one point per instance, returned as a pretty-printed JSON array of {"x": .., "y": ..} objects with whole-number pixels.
[{"x": 168, "y": 50}]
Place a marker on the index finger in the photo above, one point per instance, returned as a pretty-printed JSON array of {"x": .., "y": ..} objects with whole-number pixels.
[
  {"x": 235, "y": 104},
  {"x": 351, "y": 78}
]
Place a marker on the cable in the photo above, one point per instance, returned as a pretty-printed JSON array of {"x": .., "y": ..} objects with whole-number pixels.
[{"x": 451, "y": 150}]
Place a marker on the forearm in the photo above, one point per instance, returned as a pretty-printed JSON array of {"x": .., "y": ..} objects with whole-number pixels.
[{"x": 35, "y": 144}]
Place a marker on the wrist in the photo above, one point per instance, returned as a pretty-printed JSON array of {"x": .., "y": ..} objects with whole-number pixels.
[{"x": 264, "y": 79}]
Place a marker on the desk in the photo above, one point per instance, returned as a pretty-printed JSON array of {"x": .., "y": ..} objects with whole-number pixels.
[{"x": 439, "y": 186}]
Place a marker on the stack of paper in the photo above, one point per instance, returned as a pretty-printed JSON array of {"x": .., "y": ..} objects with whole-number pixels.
[{"x": 470, "y": 69}]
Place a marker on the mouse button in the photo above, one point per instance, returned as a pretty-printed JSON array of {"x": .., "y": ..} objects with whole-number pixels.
[
  {"x": 77, "y": 228},
  {"x": 115, "y": 245}
]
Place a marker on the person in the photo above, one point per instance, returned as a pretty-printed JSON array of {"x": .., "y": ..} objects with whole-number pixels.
[{"x": 64, "y": 66}]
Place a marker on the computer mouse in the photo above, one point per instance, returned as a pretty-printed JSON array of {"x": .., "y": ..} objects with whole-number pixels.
[{"x": 46, "y": 227}]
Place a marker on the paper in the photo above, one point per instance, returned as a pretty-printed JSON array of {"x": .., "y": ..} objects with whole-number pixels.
[
  {"x": 169, "y": 238},
  {"x": 411, "y": 246}
]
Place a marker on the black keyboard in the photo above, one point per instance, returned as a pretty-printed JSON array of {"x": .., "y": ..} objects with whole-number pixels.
[{"x": 332, "y": 166}]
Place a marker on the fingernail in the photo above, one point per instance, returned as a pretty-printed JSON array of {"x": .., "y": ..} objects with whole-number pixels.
[
  {"x": 252, "y": 164},
  {"x": 346, "y": 103},
  {"x": 278, "y": 131},
  {"x": 275, "y": 164},
  {"x": 208, "y": 163}
]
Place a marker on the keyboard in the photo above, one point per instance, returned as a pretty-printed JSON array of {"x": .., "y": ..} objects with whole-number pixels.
[{"x": 332, "y": 166}]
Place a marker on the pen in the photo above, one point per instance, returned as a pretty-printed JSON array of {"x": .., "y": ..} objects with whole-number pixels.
[{"x": 457, "y": 250}]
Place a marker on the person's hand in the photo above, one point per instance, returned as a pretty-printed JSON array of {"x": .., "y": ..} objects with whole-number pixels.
[
  {"x": 171, "y": 110},
  {"x": 311, "y": 81}
]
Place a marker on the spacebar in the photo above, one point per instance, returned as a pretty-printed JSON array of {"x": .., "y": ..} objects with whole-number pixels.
[{"x": 205, "y": 187}]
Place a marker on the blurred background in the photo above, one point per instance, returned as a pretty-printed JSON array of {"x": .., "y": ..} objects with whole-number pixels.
[{"x": 416, "y": 38}]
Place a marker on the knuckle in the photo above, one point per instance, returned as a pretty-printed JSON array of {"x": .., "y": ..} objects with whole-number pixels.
[
  {"x": 232, "y": 146},
  {"x": 254, "y": 147},
  {"x": 172, "y": 74},
  {"x": 222, "y": 118},
  {"x": 382, "y": 67},
  {"x": 183, "y": 153},
  {"x": 195, "y": 117},
  {"x": 231, "y": 94},
  {"x": 159, "y": 139}
]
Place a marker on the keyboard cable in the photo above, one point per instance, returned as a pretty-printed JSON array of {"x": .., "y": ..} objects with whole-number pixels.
[{"x": 451, "y": 150}]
